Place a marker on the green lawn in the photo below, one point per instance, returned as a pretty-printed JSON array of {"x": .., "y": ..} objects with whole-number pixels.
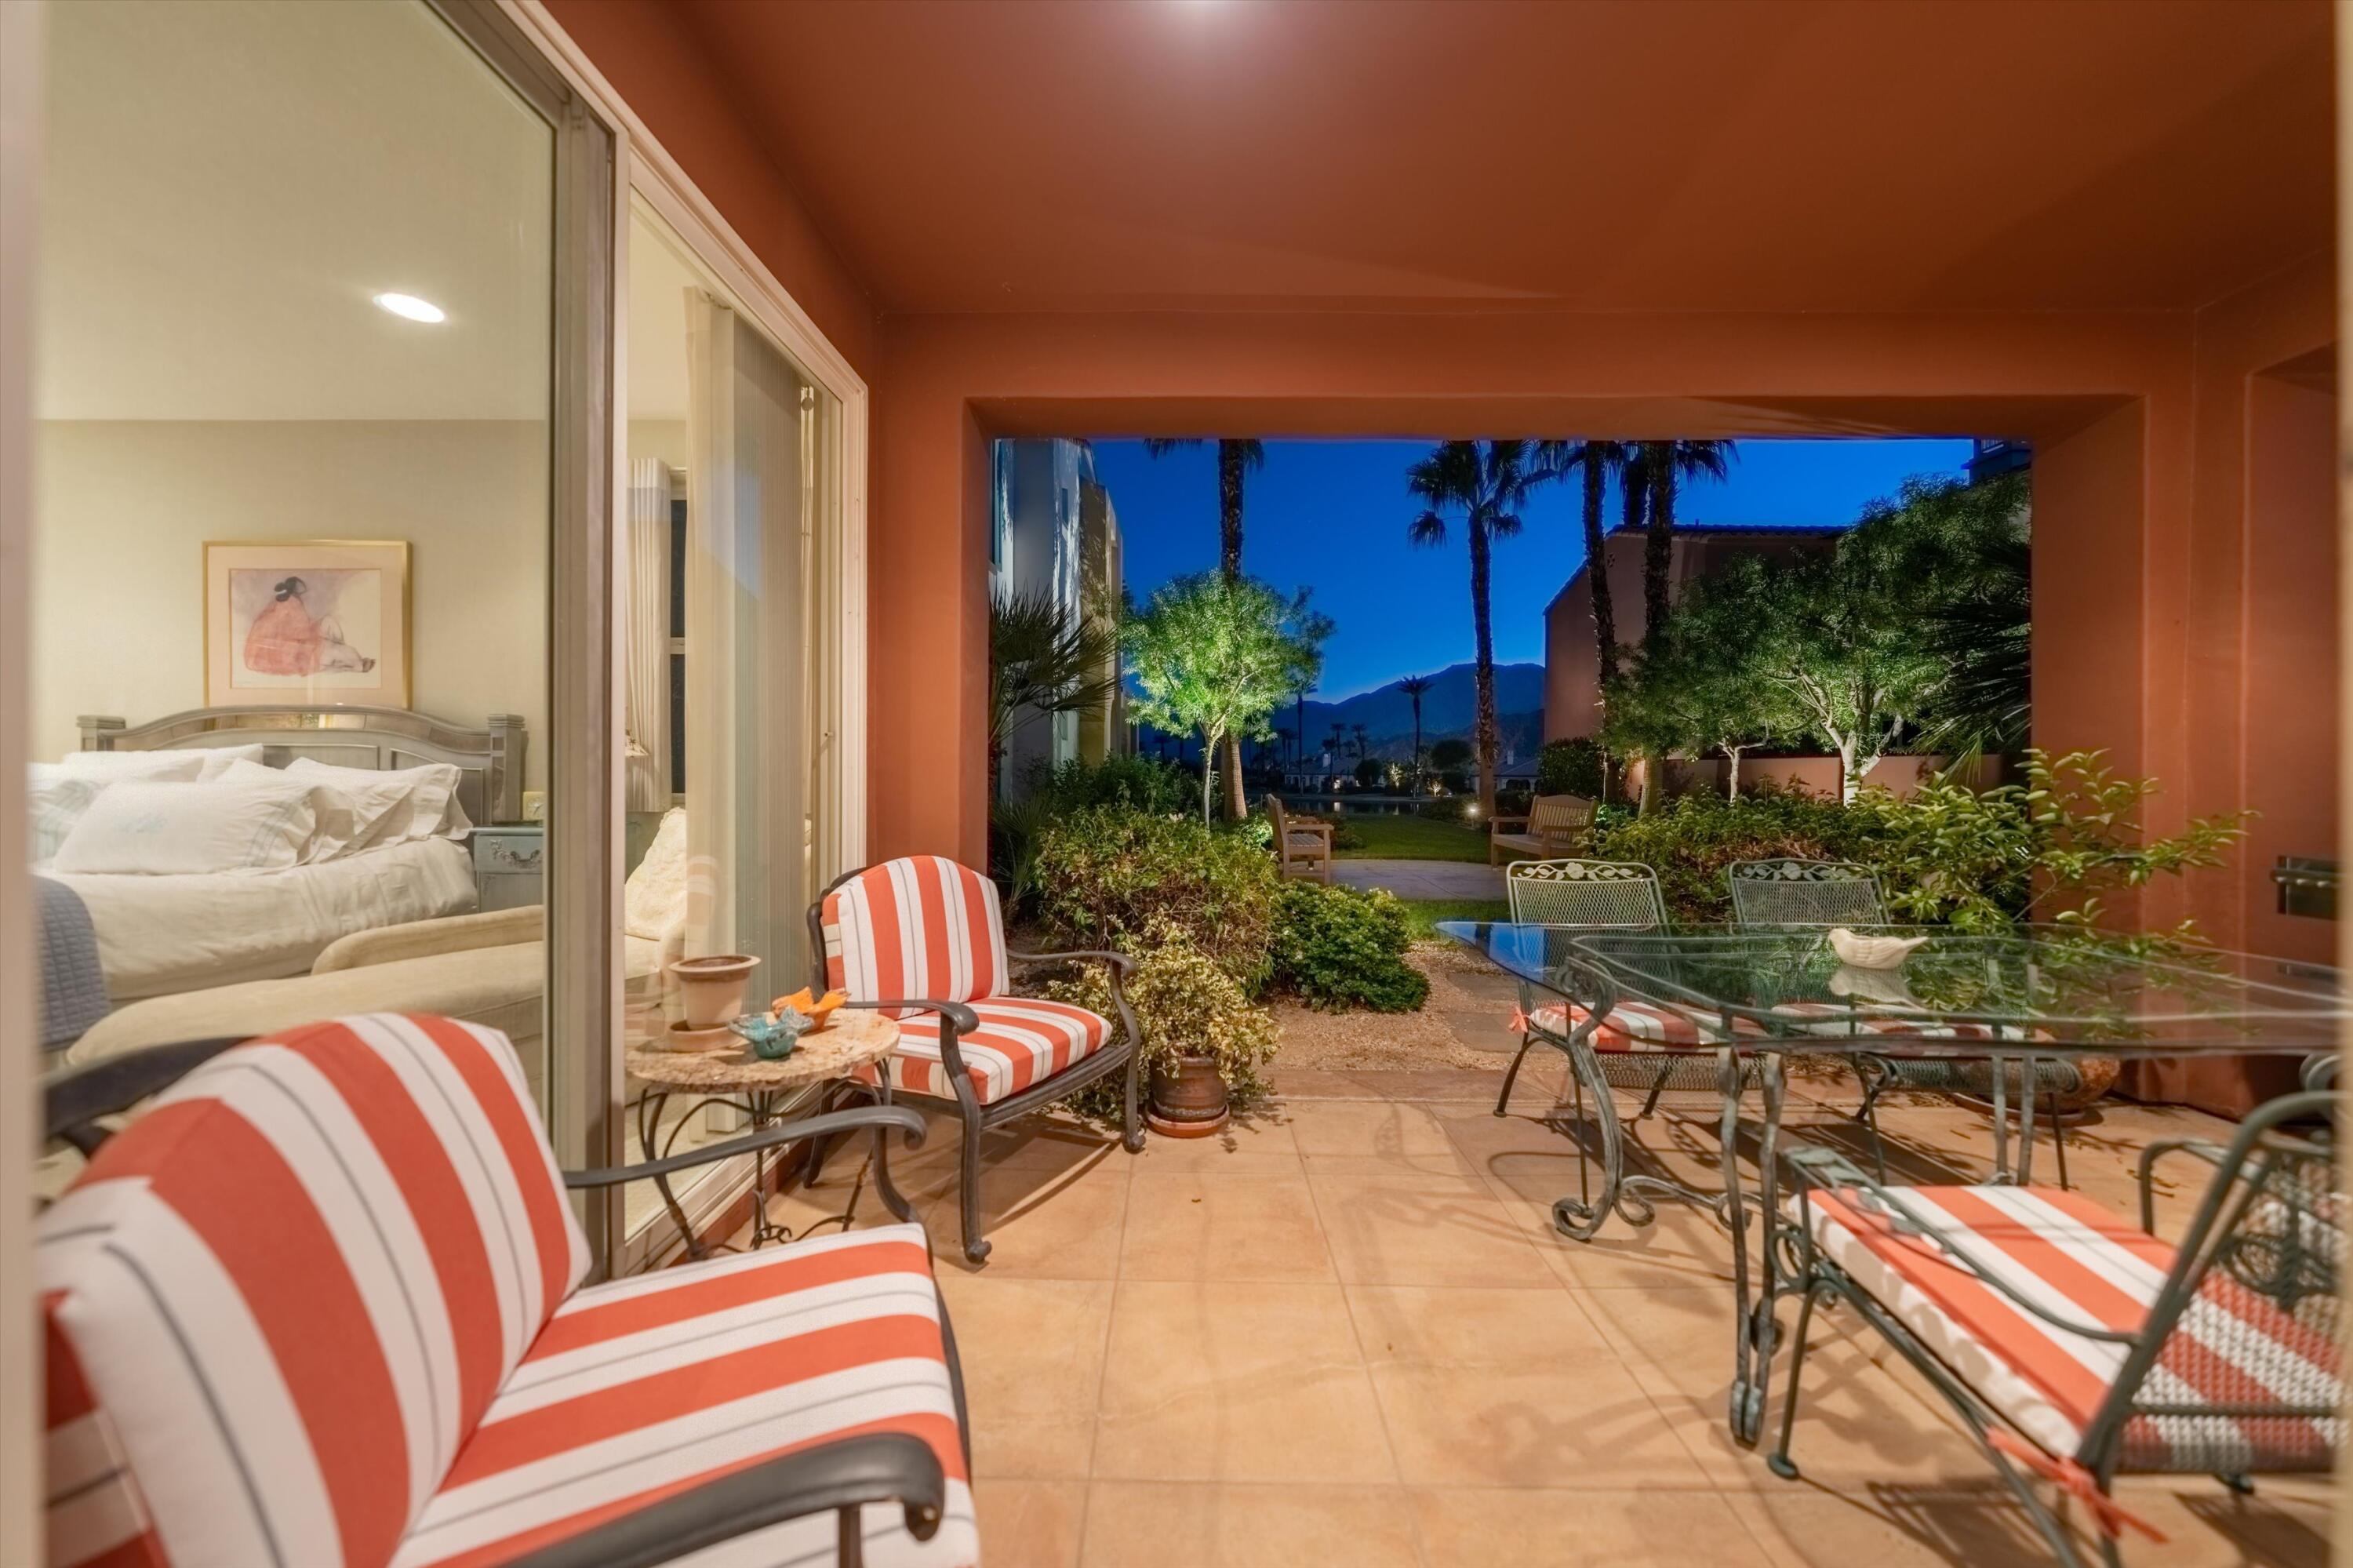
[
  {"x": 1424, "y": 913},
  {"x": 1412, "y": 838}
]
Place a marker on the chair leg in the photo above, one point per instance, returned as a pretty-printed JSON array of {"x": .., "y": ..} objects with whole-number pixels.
[
  {"x": 1779, "y": 1461},
  {"x": 1658, "y": 1087},
  {"x": 1131, "y": 1139},
  {"x": 1512, "y": 1073},
  {"x": 1584, "y": 1165},
  {"x": 2059, "y": 1139},
  {"x": 1869, "y": 1116},
  {"x": 974, "y": 1248}
]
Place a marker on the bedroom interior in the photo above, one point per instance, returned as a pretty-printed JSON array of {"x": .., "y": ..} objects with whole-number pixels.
[{"x": 362, "y": 824}]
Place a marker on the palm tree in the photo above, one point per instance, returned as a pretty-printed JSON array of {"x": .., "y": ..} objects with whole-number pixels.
[
  {"x": 1486, "y": 481},
  {"x": 1413, "y": 686},
  {"x": 1599, "y": 463},
  {"x": 1663, "y": 466},
  {"x": 1356, "y": 733},
  {"x": 1234, "y": 458}
]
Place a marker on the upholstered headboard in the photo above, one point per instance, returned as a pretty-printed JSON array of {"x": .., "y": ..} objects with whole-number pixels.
[{"x": 490, "y": 760}]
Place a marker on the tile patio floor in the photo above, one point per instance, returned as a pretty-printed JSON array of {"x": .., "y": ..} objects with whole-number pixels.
[{"x": 1346, "y": 1333}]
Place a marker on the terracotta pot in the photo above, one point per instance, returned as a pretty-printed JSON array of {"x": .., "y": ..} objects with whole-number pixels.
[
  {"x": 1188, "y": 1098},
  {"x": 711, "y": 990}
]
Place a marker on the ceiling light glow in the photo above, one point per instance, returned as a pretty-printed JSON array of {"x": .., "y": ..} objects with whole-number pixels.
[{"x": 411, "y": 307}]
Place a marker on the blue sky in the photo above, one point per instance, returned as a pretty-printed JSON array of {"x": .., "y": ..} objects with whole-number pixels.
[{"x": 1332, "y": 515}]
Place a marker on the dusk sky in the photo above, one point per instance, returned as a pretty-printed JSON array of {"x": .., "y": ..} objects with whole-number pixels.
[{"x": 1332, "y": 515}]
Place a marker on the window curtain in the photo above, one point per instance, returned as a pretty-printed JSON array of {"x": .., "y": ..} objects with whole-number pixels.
[
  {"x": 648, "y": 642},
  {"x": 746, "y": 757}
]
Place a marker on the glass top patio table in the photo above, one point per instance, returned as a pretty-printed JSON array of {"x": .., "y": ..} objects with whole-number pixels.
[{"x": 2046, "y": 990}]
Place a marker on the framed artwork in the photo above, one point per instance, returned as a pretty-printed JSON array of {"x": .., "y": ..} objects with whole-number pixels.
[{"x": 306, "y": 620}]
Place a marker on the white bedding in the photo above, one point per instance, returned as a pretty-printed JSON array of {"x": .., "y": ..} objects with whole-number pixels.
[{"x": 158, "y": 935}]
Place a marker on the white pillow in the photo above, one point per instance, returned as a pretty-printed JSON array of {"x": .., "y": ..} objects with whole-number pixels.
[
  {"x": 138, "y": 827},
  {"x": 186, "y": 766},
  {"x": 347, "y": 820},
  {"x": 219, "y": 760},
  {"x": 653, "y": 901},
  {"x": 57, "y": 798},
  {"x": 430, "y": 791}
]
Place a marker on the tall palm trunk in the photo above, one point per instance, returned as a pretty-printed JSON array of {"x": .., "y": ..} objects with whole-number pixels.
[
  {"x": 1416, "y": 738},
  {"x": 1484, "y": 732},
  {"x": 1659, "y": 544},
  {"x": 1230, "y": 457},
  {"x": 1597, "y": 576}
]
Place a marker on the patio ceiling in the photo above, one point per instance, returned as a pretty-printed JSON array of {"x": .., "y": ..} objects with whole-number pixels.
[{"x": 1712, "y": 154}]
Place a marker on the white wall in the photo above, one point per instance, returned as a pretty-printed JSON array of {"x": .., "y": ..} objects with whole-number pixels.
[{"x": 123, "y": 508}]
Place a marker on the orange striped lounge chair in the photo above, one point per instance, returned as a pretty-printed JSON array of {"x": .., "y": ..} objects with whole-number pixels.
[
  {"x": 321, "y": 1304},
  {"x": 2077, "y": 1346},
  {"x": 923, "y": 939}
]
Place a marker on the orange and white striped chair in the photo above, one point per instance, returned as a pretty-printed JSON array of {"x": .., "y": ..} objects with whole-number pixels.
[
  {"x": 2077, "y": 1346},
  {"x": 923, "y": 939},
  {"x": 321, "y": 1303}
]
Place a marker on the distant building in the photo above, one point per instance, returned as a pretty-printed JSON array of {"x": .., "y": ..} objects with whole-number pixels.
[
  {"x": 1055, "y": 532},
  {"x": 1572, "y": 665},
  {"x": 1992, "y": 459}
]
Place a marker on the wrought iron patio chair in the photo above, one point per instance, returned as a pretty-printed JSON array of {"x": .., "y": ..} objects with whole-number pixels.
[
  {"x": 2076, "y": 1347},
  {"x": 1611, "y": 1043},
  {"x": 1788, "y": 891},
  {"x": 923, "y": 939}
]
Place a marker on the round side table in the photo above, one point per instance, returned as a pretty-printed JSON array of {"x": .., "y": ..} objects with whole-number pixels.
[{"x": 855, "y": 1038}]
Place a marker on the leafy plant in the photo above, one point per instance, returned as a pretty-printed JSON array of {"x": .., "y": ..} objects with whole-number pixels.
[
  {"x": 1690, "y": 841},
  {"x": 1217, "y": 655},
  {"x": 1339, "y": 948},
  {"x": 1571, "y": 768},
  {"x": 1106, "y": 875},
  {"x": 1044, "y": 659},
  {"x": 1186, "y": 1003},
  {"x": 1053, "y": 792}
]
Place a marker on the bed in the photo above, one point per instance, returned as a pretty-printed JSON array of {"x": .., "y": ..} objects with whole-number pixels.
[{"x": 163, "y": 935}]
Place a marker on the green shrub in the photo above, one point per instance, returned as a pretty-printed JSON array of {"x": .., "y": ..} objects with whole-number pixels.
[
  {"x": 1445, "y": 808},
  {"x": 1105, "y": 875},
  {"x": 1571, "y": 768},
  {"x": 1049, "y": 793},
  {"x": 1691, "y": 840},
  {"x": 1186, "y": 1003},
  {"x": 1339, "y": 948}
]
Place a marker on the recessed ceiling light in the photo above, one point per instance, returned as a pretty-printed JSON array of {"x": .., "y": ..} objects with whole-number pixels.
[{"x": 410, "y": 306}]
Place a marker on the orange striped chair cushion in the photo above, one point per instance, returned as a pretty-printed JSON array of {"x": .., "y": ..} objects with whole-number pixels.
[
  {"x": 95, "y": 1514},
  {"x": 638, "y": 1390},
  {"x": 2075, "y": 1258},
  {"x": 1020, "y": 1041},
  {"x": 1641, "y": 1026},
  {"x": 294, "y": 1285},
  {"x": 921, "y": 927}
]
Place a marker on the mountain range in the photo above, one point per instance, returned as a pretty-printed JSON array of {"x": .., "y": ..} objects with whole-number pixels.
[{"x": 1449, "y": 710}]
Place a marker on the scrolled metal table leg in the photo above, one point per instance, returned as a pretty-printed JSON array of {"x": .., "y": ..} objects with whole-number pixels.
[{"x": 650, "y": 1108}]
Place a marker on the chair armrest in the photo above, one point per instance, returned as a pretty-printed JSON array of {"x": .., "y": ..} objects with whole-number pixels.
[
  {"x": 72, "y": 1102},
  {"x": 1497, "y": 824},
  {"x": 1316, "y": 826},
  {"x": 1120, "y": 962},
  {"x": 873, "y": 1467},
  {"x": 966, "y": 1020},
  {"x": 879, "y": 1116},
  {"x": 2212, "y": 1153}
]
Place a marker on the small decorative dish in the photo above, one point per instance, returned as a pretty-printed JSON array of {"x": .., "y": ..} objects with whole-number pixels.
[{"x": 684, "y": 1036}]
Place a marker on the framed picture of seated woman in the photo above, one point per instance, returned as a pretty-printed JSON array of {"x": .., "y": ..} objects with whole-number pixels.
[{"x": 320, "y": 621}]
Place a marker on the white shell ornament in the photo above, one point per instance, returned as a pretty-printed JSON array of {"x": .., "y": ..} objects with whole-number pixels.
[{"x": 1871, "y": 952}]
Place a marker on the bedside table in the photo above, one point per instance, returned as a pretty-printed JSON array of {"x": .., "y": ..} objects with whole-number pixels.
[{"x": 507, "y": 865}]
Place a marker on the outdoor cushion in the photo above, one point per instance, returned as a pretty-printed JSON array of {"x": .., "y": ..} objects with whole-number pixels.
[
  {"x": 922, "y": 927},
  {"x": 291, "y": 1288},
  {"x": 1020, "y": 1041},
  {"x": 1641, "y": 1026},
  {"x": 638, "y": 1389},
  {"x": 2085, "y": 1264}
]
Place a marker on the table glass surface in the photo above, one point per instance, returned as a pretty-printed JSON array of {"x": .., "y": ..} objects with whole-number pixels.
[{"x": 2044, "y": 988}]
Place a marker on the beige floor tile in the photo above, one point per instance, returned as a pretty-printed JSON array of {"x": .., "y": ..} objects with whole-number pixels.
[
  {"x": 1187, "y": 1226},
  {"x": 1424, "y": 1230},
  {"x": 1219, "y": 1381},
  {"x": 1033, "y": 1143},
  {"x": 1510, "y": 1426},
  {"x": 1032, "y": 1352},
  {"x": 1414, "y": 1325},
  {"x": 1364, "y": 1130},
  {"x": 1030, "y": 1524},
  {"x": 1147, "y": 1524},
  {"x": 1259, "y": 1144},
  {"x": 1048, "y": 1224},
  {"x": 1557, "y": 1529}
]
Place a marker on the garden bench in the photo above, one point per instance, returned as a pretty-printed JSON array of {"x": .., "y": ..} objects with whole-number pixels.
[
  {"x": 1554, "y": 824},
  {"x": 1303, "y": 845},
  {"x": 323, "y": 1303}
]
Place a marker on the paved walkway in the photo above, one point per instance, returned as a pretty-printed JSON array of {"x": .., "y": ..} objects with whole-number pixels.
[{"x": 1423, "y": 878}]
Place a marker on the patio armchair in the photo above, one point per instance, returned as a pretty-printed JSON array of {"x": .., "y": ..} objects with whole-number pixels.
[
  {"x": 1303, "y": 845},
  {"x": 1554, "y": 825},
  {"x": 1786, "y": 891},
  {"x": 923, "y": 940},
  {"x": 2076, "y": 1347},
  {"x": 323, "y": 1302}
]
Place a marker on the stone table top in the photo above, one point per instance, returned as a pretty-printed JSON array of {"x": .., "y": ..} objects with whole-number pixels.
[{"x": 851, "y": 1038}]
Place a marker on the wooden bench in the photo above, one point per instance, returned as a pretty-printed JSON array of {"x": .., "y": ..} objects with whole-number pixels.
[
  {"x": 1554, "y": 825},
  {"x": 1303, "y": 845}
]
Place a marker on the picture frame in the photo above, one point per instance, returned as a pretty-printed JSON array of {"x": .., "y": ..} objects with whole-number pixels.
[{"x": 315, "y": 621}]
